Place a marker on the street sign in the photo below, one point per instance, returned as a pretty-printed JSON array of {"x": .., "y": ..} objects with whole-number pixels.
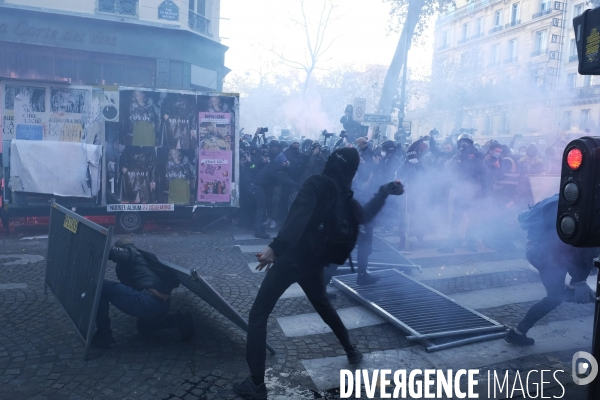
[
  {"x": 168, "y": 10},
  {"x": 378, "y": 118},
  {"x": 359, "y": 109}
]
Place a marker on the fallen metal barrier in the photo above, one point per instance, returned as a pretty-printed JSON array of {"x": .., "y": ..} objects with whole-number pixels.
[
  {"x": 75, "y": 267},
  {"x": 426, "y": 315},
  {"x": 198, "y": 285}
]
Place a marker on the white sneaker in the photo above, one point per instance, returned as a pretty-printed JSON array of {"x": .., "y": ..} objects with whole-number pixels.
[
  {"x": 267, "y": 222},
  {"x": 273, "y": 224}
]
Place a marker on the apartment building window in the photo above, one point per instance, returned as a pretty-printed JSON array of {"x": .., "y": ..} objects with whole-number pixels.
[
  {"x": 465, "y": 31},
  {"x": 578, "y": 10},
  {"x": 545, "y": 6},
  {"x": 198, "y": 7},
  {"x": 504, "y": 124},
  {"x": 196, "y": 16},
  {"x": 571, "y": 81},
  {"x": 122, "y": 7},
  {"x": 515, "y": 13},
  {"x": 488, "y": 124},
  {"x": 572, "y": 51},
  {"x": 566, "y": 120},
  {"x": 512, "y": 50},
  {"x": 584, "y": 119},
  {"x": 495, "y": 54},
  {"x": 540, "y": 43},
  {"x": 479, "y": 26},
  {"x": 444, "y": 39},
  {"x": 498, "y": 18},
  {"x": 588, "y": 81}
]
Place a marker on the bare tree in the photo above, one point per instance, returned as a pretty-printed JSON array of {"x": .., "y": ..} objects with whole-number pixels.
[
  {"x": 415, "y": 15},
  {"x": 316, "y": 45}
]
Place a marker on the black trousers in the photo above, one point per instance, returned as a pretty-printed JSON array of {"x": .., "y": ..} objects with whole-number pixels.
[
  {"x": 282, "y": 274},
  {"x": 364, "y": 248},
  {"x": 260, "y": 200},
  {"x": 552, "y": 274}
]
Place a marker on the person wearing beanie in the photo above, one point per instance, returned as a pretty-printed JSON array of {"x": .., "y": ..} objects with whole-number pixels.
[
  {"x": 143, "y": 291},
  {"x": 293, "y": 259},
  {"x": 268, "y": 177}
]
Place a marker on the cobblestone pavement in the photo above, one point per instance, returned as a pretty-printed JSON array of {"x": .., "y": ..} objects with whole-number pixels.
[{"x": 41, "y": 354}]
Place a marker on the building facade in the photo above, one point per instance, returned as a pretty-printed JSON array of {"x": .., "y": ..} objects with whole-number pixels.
[
  {"x": 150, "y": 43},
  {"x": 506, "y": 67}
]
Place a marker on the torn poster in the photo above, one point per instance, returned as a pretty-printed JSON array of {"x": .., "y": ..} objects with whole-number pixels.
[{"x": 58, "y": 168}]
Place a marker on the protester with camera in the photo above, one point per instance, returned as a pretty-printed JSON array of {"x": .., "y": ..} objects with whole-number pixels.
[{"x": 351, "y": 127}]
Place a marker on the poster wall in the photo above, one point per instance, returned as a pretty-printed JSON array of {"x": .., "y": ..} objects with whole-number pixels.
[
  {"x": 153, "y": 158},
  {"x": 52, "y": 113}
]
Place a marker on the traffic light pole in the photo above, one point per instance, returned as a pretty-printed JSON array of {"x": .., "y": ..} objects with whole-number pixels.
[{"x": 594, "y": 387}]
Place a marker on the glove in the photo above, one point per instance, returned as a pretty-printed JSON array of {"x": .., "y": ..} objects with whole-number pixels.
[
  {"x": 393, "y": 188},
  {"x": 582, "y": 293}
]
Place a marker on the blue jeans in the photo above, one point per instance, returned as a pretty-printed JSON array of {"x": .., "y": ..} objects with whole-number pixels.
[{"x": 138, "y": 304}]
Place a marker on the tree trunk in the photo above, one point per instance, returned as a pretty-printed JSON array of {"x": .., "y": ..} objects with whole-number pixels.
[{"x": 390, "y": 84}]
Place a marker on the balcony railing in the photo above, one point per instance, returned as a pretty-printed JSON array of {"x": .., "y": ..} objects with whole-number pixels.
[
  {"x": 477, "y": 36},
  {"x": 122, "y": 7},
  {"x": 443, "y": 47},
  {"x": 496, "y": 29},
  {"x": 513, "y": 23},
  {"x": 573, "y": 58},
  {"x": 510, "y": 60},
  {"x": 539, "y": 52},
  {"x": 463, "y": 40},
  {"x": 198, "y": 23},
  {"x": 587, "y": 91},
  {"x": 541, "y": 13}
]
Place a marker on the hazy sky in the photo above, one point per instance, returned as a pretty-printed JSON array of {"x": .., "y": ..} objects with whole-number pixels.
[{"x": 250, "y": 28}]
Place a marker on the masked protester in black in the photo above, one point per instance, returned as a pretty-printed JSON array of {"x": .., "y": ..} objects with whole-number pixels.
[
  {"x": 553, "y": 259},
  {"x": 294, "y": 262},
  {"x": 144, "y": 291}
]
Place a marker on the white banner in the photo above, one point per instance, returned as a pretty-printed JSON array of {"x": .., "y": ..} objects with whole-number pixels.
[{"x": 140, "y": 207}]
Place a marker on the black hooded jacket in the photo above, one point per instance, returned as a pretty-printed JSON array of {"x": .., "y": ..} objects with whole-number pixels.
[
  {"x": 141, "y": 270},
  {"x": 317, "y": 192}
]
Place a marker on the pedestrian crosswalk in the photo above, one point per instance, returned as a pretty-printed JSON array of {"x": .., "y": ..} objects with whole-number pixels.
[{"x": 573, "y": 334}]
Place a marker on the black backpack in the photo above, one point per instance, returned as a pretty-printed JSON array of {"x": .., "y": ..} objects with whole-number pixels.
[{"x": 337, "y": 229}]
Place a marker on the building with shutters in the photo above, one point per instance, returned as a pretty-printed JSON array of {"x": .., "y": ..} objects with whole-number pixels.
[
  {"x": 171, "y": 44},
  {"x": 506, "y": 67}
]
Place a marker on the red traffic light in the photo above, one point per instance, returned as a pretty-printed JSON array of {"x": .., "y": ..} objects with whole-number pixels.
[{"x": 574, "y": 158}]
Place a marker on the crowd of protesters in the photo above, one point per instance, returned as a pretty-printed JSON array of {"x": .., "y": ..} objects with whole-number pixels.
[{"x": 470, "y": 192}]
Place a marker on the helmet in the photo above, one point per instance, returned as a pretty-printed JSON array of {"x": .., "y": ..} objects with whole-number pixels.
[
  {"x": 245, "y": 145},
  {"x": 465, "y": 136},
  {"x": 388, "y": 145}
]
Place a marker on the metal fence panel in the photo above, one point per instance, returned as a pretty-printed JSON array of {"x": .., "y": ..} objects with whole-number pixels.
[
  {"x": 196, "y": 284},
  {"x": 423, "y": 313},
  {"x": 75, "y": 267}
]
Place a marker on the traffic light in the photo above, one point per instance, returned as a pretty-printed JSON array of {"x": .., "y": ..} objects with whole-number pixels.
[
  {"x": 578, "y": 221},
  {"x": 587, "y": 37}
]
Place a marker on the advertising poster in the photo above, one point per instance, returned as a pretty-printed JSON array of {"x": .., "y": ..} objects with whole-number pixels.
[
  {"x": 70, "y": 115},
  {"x": 137, "y": 180},
  {"x": 215, "y": 131},
  {"x": 24, "y": 112},
  {"x": 139, "y": 117},
  {"x": 214, "y": 176}
]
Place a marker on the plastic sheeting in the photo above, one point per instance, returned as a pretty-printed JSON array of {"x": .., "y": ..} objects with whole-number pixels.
[{"x": 58, "y": 168}]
